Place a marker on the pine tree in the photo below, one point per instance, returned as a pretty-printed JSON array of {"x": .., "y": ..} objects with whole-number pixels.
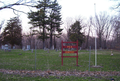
[
  {"x": 47, "y": 18},
  {"x": 39, "y": 19},
  {"x": 54, "y": 22},
  {"x": 75, "y": 33},
  {"x": 12, "y": 33}
]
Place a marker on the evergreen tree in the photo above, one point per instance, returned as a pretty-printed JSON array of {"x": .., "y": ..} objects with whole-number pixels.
[
  {"x": 12, "y": 33},
  {"x": 40, "y": 19},
  {"x": 47, "y": 18},
  {"x": 75, "y": 33},
  {"x": 54, "y": 22}
]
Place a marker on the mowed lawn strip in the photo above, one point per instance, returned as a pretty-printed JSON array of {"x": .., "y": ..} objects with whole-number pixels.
[{"x": 25, "y": 60}]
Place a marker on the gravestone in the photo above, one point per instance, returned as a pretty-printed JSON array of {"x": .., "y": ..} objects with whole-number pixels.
[
  {"x": 111, "y": 52},
  {"x": 101, "y": 48},
  {"x": 6, "y": 47},
  {"x": 45, "y": 48},
  {"x": 56, "y": 49},
  {"x": 9, "y": 48},
  {"x": 32, "y": 50},
  {"x": 28, "y": 47},
  {"x": 53, "y": 47},
  {"x": 2, "y": 47},
  {"x": 23, "y": 48},
  {"x": 13, "y": 47},
  {"x": 80, "y": 48}
]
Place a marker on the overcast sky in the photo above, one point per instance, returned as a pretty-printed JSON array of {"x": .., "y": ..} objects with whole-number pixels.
[{"x": 70, "y": 8}]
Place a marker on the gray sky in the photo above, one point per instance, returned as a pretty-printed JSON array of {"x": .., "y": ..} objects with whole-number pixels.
[{"x": 70, "y": 9}]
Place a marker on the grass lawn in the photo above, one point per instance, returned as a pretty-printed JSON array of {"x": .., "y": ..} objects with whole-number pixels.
[{"x": 25, "y": 60}]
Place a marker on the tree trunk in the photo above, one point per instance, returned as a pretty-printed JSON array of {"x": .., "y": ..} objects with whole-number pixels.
[
  {"x": 51, "y": 40},
  {"x": 87, "y": 42},
  {"x": 54, "y": 43},
  {"x": 105, "y": 46},
  {"x": 43, "y": 44},
  {"x": 100, "y": 41},
  {"x": 43, "y": 37}
]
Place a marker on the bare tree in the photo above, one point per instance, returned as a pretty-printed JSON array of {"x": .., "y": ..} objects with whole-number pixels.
[
  {"x": 116, "y": 35},
  {"x": 108, "y": 31},
  {"x": 102, "y": 26},
  {"x": 29, "y": 39},
  {"x": 89, "y": 30},
  {"x": 67, "y": 25}
]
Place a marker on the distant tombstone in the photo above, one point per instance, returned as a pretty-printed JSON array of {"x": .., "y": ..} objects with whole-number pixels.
[
  {"x": 5, "y": 47},
  {"x": 53, "y": 47},
  {"x": 20, "y": 54},
  {"x": 9, "y": 48},
  {"x": 80, "y": 48},
  {"x": 32, "y": 50},
  {"x": 23, "y": 48},
  {"x": 56, "y": 49},
  {"x": 2, "y": 47},
  {"x": 28, "y": 47},
  {"x": 44, "y": 48},
  {"x": 13, "y": 47},
  {"x": 100, "y": 48},
  {"x": 111, "y": 52}
]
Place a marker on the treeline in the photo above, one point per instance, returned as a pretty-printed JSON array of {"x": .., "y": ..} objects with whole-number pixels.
[
  {"x": 48, "y": 30},
  {"x": 105, "y": 28}
]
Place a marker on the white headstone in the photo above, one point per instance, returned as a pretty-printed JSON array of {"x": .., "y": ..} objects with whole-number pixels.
[
  {"x": 13, "y": 47},
  {"x": 2, "y": 46},
  {"x": 111, "y": 53},
  {"x": 6, "y": 47},
  {"x": 28, "y": 47},
  {"x": 53, "y": 47},
  {"x": 23, "y": 48}
]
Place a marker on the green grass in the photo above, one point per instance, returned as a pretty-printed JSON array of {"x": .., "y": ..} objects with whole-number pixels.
[{"x": 52, "y": 61}]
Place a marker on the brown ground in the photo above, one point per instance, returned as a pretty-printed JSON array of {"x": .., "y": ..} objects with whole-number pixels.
[{"x": 59, "y": 73}]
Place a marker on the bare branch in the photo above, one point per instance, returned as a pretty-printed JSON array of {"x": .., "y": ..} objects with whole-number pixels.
[
  {"x": 18, "y": 3},
  {"x": 17, "y": 10},
  {"x": 15, "y": 4}
]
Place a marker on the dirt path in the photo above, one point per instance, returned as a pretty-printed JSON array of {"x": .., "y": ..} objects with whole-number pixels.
[{"x": 59, "y": 73}]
